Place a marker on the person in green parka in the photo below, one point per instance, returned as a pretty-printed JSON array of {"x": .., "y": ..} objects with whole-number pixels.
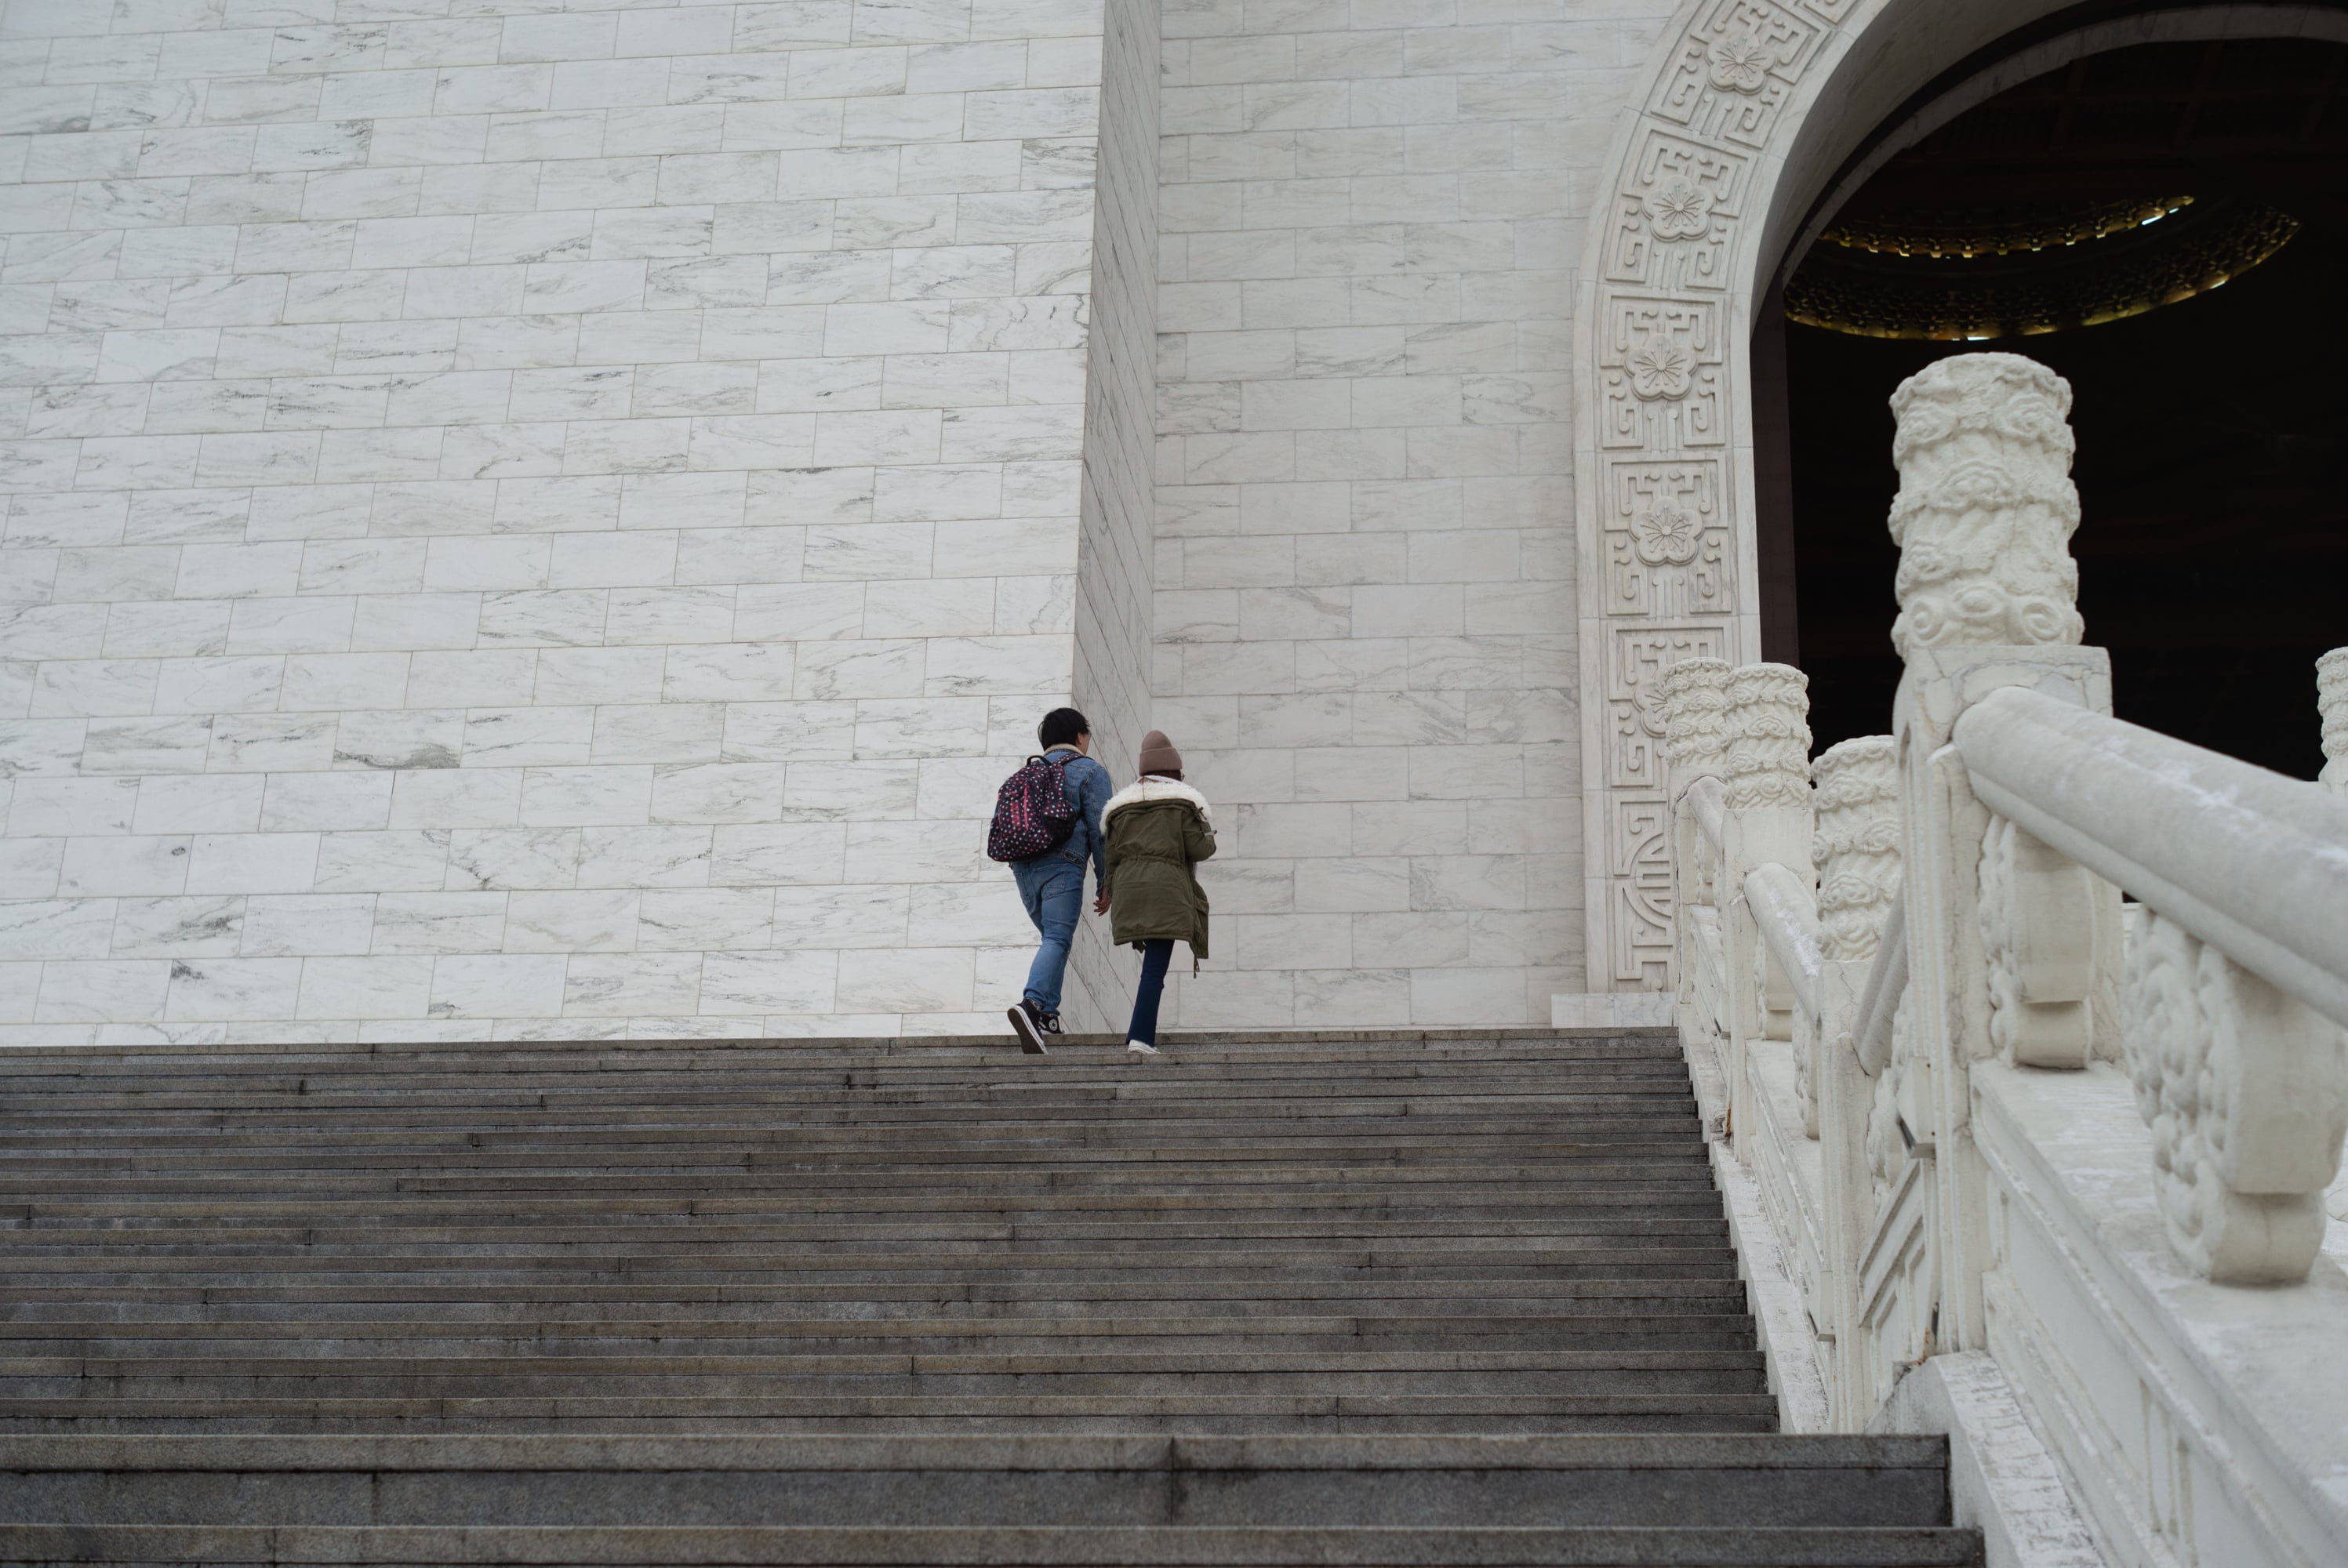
[{"x": 1157, "y": 829}]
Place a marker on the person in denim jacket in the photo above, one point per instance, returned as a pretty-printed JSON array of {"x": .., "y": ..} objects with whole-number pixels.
[{"x": 1052, "y": 885}]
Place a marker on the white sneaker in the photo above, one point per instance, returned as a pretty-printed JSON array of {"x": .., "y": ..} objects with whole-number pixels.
[{"x": 1135, "y": 1048}]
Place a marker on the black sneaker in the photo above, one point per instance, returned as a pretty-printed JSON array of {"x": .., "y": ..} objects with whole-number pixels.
[
  {"x": 1027, "y": 1024},
  {"x": 1050, "y": 1023}
]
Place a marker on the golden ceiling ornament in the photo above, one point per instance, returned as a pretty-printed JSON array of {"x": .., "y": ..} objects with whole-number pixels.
[
  {"x": 1960, "y": 295},
  {"x": 1962, "y": 236}
]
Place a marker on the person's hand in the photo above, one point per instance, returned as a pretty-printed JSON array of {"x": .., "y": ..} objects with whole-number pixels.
[{"x": 1100, "y": 905}]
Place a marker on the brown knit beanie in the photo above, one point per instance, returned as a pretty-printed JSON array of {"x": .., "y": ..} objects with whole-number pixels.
[{"x": 1158, "y": 755}]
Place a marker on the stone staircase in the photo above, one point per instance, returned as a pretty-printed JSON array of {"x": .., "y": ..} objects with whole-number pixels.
[{"x": 1324, "y": 1300}]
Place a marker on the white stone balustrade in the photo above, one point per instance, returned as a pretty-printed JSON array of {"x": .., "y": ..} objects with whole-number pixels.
[{"x": 1957, "y": 1110}]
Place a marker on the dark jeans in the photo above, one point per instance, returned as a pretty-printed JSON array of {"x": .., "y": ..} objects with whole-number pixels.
[{"x": 1155, "y": 956}]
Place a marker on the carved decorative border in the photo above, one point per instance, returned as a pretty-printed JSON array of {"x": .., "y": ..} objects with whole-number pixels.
[{"x": 1662, "y": 551}]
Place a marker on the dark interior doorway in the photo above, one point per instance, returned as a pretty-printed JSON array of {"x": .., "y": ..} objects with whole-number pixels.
[{"x": 2213, "y": 431}]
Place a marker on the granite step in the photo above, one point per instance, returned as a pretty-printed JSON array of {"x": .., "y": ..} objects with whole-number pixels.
[
  {"x": 1613, "y": 1230},
  {"x": 991, "y": 1217},
  {"x": 744, "y": 1179},
  {"x": 1066, "y": 1079},
  {"x": 1239, "y": 1298},
  {"x": 348, "y": 1338},
  {"x": 1446, "y": 1482},
  {"x": 1738, "y": 1546},
  {"x": 1102, "y": 1414}
]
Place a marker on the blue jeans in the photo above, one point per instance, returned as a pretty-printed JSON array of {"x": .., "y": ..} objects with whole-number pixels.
[
  {"x": 1053, "y": 887},
  {"x": 1154, "y": 955}
]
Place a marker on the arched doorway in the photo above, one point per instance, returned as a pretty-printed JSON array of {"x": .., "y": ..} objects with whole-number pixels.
[
  {"x": 2165, "y": 224},
  {"x": 1755, "y": 121}
]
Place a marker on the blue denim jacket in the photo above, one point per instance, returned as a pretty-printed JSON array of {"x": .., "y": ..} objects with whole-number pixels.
[{"x": 1086, "y": 782}]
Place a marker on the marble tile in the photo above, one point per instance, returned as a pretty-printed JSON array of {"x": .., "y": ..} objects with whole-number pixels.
[
  {"x": 440, "y": 923},
  {"x": 124, "y": 867},
  {"x": 770, "y": 982},
  {"x": 30, "y": 868},
  {"x": 211, "y": 803},
  {"x": 593, "y": 920},
  {"x": 121, "y": 991},
  {"x": 776, "y": 854},
  {"x": 299, "y": 924},
  {"x": 612, "y": 985},
  {"x": 395, "y": 860},
  {"x": 585, "y": 796},
  {"x": 252, "y": 862},
  {"x": 703, "y": 919},
  {"x": 203, "y": 987},
  {"x": 364, "y": 987},
  {"x": 967, "y": 914},
  {"x": 645, "y": 857},
  {"x": 905, "y": 980},
  {"x": 717, "y": 792},
  {"x": 67, "y": 927},
  {"x": 486, "y": 859},
  {"x": 499, "y": 986},
  {"x": 853, "y": 916}
]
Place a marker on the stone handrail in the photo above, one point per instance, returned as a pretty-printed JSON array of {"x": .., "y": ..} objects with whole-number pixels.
[
  {"x": 1886, "y": 982},
  {"x": 1788, "y": 915},
  {"x": 2242, "y": 857},
  {"x": 1708, "y": 807}
]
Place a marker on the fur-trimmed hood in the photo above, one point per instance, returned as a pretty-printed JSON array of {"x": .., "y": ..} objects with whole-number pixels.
[{"x": 1144, "y": 791}]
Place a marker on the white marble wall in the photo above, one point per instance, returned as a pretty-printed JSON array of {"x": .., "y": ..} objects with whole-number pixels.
[
  {"x": 555, "y": 523},
  {"x": 547, "y": 523},
  {"x": 1372, "y": 212}
]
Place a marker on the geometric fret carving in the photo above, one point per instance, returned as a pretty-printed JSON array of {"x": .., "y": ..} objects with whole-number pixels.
[
  {"x": 1659, "y": 546},
  {"x": 1667, "y": 540}
]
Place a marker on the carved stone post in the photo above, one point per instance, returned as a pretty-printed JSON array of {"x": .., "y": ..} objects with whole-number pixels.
[
  {"x": 1856, "y": 846},
  {"x": 1987, "y": 593},
  {"x": 1768, "y": 728},
  {"x": 1768, "y": 819},
  {"x": 2332, "y": 702},
  {"x": 1986, "y": 507},
  {"x": 1695, "y": 745},
  {"x": 1857, "y": 849},
  {"x": 1696, "y": 721},
  {"x": 1695, "y": 739}
]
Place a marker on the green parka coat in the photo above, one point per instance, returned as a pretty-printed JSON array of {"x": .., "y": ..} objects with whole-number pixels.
[{"x": 1156, "y": 830}]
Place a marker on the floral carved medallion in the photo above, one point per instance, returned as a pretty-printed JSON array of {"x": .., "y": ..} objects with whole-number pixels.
[
  {"x": 1665, "y": 536},
  {"x": 1739, "y": 63},
  {"x": 1660, "y": 368},
  {"x": 1679, "y": 211}
]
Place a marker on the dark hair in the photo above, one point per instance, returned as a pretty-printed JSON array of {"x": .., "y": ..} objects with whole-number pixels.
[
  {"x": 1174, "y": 773},
  {"x": 1061, "y": 727}
]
